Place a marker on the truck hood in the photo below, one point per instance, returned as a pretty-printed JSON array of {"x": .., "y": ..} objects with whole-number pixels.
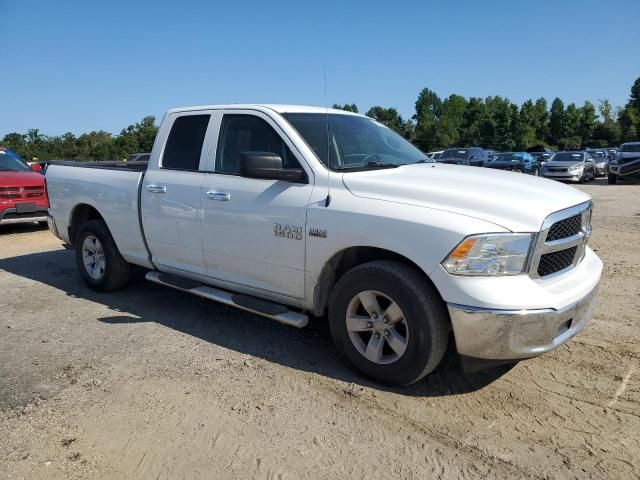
[
  {"x": 517, "y": 202},
  {"x": 21, "y": 179}
]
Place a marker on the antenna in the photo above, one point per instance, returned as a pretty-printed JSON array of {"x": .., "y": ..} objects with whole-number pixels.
[{"x": 326, "y": 108}]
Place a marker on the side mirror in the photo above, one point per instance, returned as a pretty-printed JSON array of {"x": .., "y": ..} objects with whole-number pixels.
[
  {"x": 267, "y": 165},
  {"x": 472, "y": 157},
  {"x": 36, "y": 167}
]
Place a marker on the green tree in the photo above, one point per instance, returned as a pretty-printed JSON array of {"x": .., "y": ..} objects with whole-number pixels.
[
  {"x": 475, "y": 117},
  {"x": 587, "y": 122},
  {"x": 349, "y": 107},
  {"x": 451, "y": 119},
  {"x": 541, "y": 120},
  {"x": 392, "y": 119},
  {"x": 607, "y": 131},
  {"x": 428, "y": 110},
  {"x": 556, "y": 121},
  {"x": 524, "y": 129},
  {"x": 634, "y": 98},
  {"x": 502, "y": 118},
  {"x": 629, "y": 122},
  {"x": 572, "y": 138}
]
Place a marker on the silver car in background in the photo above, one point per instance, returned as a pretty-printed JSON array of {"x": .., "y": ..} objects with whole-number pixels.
[
  {"x": 601, "y": 160},
  {"x": 572, "y": 166}
]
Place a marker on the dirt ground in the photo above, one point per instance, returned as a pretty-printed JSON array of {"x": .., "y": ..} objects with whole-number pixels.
[{"x": 153, "y": 383}]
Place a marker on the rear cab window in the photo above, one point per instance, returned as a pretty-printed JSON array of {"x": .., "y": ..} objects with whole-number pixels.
[{"x": 184, "y": 143}]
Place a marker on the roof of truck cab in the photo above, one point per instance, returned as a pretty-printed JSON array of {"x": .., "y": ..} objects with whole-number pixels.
[{"x": 275, "y": 107}]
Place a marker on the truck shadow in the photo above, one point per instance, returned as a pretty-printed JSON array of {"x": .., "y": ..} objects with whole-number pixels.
[{"x": 309, "y": 349}]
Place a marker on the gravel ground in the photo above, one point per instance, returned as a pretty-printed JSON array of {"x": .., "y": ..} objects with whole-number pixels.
[{"x": 153, "y": 383}]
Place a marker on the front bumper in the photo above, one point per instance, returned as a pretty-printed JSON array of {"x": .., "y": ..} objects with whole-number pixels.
[
  {"x": 571, "y": 176},
  {"x": 482, "y": 333},
  {"x": 10, "y": 216}
]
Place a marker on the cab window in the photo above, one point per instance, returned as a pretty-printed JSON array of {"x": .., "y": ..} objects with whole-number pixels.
[{"x": 248, "y": 133}]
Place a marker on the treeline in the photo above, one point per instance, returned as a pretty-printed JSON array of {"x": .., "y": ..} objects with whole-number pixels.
[
  {"x": 499, "y": 124},
  {"x": 492, "y": 122},
  {"x": 99, "y": 145}
]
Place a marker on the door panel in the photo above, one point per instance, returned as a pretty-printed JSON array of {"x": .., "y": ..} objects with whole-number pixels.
[
  {"x": 253, "y": 230},
  {"x": 172, "y": 219},
  {"x": 172, "y": 193},
  {"x": 242, "y": 243}
]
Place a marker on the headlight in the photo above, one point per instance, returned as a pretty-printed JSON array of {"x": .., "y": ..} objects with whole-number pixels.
[
  {"x": 576, "y": 168},
  {"x": 490, "y": 254}
]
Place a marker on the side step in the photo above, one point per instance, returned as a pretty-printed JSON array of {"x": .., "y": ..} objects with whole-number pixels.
[{"x": 251, "y": 304}]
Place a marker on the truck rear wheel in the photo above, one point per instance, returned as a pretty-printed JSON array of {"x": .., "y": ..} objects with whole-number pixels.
[
  {"x": 389, "y": 322},
  {"x": 102, "y": 267}
]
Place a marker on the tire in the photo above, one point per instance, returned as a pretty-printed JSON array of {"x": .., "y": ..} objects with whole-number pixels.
[
  {"x": 536, "y": 172},
  {"x": 612, "y": 178},
  {"x": 424, "y": 324},
  {"x": 109, "y": 271},
  {"x": 582, "y": 178}
]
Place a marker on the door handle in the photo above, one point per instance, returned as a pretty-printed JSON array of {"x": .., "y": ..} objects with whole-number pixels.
[
  {"x": 156, "y": 188},
  {"x": 219, "y": 196}
]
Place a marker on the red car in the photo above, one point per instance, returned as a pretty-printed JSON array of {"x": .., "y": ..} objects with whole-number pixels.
[{"x": 23, "y": 197}]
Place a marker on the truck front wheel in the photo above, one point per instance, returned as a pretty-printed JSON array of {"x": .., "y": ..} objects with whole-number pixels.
[
  {"x": 102, "y": 267},
  {"x": 612, "y": 178},
  {"x": 389, "y": 322}
]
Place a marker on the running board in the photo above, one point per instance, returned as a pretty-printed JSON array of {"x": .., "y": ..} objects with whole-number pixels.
[{"x": 251, "y": 304}]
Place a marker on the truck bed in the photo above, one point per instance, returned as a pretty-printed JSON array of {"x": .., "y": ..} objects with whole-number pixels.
[{"x": 112, "y": 188}]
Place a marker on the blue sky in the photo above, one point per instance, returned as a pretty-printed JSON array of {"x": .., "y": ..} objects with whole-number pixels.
[{"x": 86, "y": 65}]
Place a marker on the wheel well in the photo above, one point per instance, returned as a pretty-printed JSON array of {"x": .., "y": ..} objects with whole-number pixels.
[
  {"x": 344, "y": 261},
  {"x": 81, "y": 214}
]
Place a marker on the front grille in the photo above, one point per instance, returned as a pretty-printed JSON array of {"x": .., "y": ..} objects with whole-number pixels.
[
  {"x": 12, "y": 193},
  {"x": 556, "y": 261},
  {"x": 565, "y": 228}
]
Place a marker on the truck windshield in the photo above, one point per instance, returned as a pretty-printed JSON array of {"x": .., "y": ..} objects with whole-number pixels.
[
  {"x": 350, "y": 142},
  {"x": 11, "y": 162}
]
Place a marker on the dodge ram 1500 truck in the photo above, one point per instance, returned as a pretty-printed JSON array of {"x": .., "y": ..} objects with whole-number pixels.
[{"x": 291, "y": 211}]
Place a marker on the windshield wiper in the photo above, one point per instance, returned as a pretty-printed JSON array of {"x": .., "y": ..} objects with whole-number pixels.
[{"x": 369, "y": 164}]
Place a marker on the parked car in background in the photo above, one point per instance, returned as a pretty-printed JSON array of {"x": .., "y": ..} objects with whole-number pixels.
[
  {"x": 23, "y": 197},
  {"x": 601, "y": 160},
  {"x": 435, "y": 155},
  {"x": 573, "y": 166},
  {"x": 611, "y": 153},
  {"x": 626, "y": 164},
  {"x": 491, "y": 153},
  {"x": 514, "y": 161},
  {"x": 472, "y": 156}
]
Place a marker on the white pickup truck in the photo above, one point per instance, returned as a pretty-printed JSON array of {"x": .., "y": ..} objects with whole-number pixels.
[{"x": 291, "y": 211}]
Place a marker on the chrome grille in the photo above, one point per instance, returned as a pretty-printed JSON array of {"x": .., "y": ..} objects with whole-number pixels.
[
  {"x": 562, "y": 241},
  {"x": 565, "y": 228},
  {"x": 556, "y": 261}
]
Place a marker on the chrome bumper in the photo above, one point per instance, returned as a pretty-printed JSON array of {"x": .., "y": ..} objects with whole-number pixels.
[
  {"x": 39, "y": 215},
  {"x": 517, "y": 334},
  {"x": 561, "y": 175}
]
